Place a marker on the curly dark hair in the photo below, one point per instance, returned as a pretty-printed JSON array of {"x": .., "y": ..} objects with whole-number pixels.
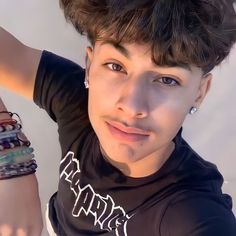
[{"x": 196, "y": 32}]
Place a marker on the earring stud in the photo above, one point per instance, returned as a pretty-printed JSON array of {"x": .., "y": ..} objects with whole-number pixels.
[
  {"x": 86, "y": 84},
  {"x": 193, "y": 110}
]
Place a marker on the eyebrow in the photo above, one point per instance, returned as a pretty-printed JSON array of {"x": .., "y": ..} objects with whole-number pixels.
[
  {"x": 118, "y": 47},
  {"x": 124, "y": 51}
]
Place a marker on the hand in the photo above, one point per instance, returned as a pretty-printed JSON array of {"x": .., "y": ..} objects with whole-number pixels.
[{"x": 20, "y": 207}]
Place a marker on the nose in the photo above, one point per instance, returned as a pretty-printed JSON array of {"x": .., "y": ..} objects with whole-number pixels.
[{"x": 133, "y": 99}]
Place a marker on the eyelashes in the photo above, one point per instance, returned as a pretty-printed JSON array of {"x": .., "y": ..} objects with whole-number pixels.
[
  {"x": 115, "y": 67},
  {"x": 168, "y": 81},
  {"x": 163, "y": 79}
]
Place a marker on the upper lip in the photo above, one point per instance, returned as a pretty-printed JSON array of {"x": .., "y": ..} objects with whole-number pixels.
[{"x": 127, "y": 129}]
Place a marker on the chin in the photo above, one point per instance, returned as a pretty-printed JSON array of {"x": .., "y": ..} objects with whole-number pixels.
[{"x": 124, "y": 154}]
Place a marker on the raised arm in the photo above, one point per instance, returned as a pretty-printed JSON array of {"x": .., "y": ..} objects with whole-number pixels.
[
  {"x": 18, "y": 65},
  {"x": 20, "y": 207}
]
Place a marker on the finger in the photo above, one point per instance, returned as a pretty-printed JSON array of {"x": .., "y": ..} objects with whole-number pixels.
[
  {"x": 6, "y": 230},
  {"x": 21, "y": 232}
]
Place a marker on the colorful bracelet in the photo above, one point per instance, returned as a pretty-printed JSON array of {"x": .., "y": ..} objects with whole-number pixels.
[
  {"x": 17, "y": 165},
  {"x": 8, "y": 122},
  {"x": 11, "y": 115},
  {"x": 22, "y": 159},
  {"x": 16, "y": 149},
  {"x": 12, "y": 171},
  {"x": 9, "y": 134},
  {"x": 8, "y": 140},
  {"x": 8, "y": 127},
  {"x": 13, "y": 144},
  {"x": 14, "y": 141},
  {"x": 9, "y": 157}
]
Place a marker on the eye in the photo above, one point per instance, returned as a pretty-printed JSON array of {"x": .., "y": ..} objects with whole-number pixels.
[
  {"x": 168, "y": 81},
  {"x": 115, "y": 67}
]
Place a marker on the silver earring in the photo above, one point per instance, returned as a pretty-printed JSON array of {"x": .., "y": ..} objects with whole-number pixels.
[
  {"x": 86, "y": 84},
  {"x": 193, "y": 110}
]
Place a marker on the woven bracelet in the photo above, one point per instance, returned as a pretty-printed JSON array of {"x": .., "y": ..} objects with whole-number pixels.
[
  {"x": 8, "y": 143},
  {"x": 8, "y": 122},
  {"x": 12, "y": 144},
  {"x": 14, "y": 166},
  {"x": 11, "y": 115},
  {"x": 8, "y": 127},
  {"x": 21, "y": 170},
  {"x": 19, "y": 161}
]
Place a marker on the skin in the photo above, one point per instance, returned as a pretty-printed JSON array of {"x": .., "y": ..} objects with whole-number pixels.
[{"x": 127, "y": 88}]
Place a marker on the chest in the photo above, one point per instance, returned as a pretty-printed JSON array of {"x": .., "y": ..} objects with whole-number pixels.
[{"x": 97, "y": 205}]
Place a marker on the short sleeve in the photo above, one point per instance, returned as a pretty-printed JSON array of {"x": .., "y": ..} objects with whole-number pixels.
[
  {"x": 198, "y": 217},
  {"x": 59, "y": 87}
]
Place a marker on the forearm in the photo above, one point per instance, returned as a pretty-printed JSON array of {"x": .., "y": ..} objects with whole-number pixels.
[
  {"x": 16, "y": 155},
  {"x": 18, "y": 65},
  {"x": 3, "y": 108},
  {"x": 20, "y": 206},
  {"x": 19, "y": 195}
]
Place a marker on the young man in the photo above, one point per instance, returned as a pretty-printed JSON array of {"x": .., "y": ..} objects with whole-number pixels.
[{"x": 125, "y": 169}]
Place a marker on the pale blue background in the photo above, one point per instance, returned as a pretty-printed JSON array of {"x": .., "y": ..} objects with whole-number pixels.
[{"x": 40, "y": 24}]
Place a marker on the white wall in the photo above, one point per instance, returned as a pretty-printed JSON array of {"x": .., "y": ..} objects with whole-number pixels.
[{"x": 40, "y": 24}]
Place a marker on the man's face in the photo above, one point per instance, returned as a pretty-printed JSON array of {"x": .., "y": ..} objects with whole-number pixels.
[{"x": 136, "y": 107}]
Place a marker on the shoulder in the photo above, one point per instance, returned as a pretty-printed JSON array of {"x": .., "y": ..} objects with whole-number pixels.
[
  {"x": 52, "y": 62},
  {"x": 58, "y": 76},
  {"x": 198, "y": 216},
  {"x": 59, "y": 87}
]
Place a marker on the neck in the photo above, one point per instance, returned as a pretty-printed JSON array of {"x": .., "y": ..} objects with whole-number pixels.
[{"x": 144, "y": 167}]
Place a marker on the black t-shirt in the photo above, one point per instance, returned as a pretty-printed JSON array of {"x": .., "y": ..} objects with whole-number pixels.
[{"x": 94, "y": 198}]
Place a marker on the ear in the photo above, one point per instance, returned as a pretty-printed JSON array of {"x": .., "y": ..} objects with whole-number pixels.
[
  {"x": 204, "y": 87},
  {"x": 89, "y": 58},
  {"x": 88, "y": 61}
]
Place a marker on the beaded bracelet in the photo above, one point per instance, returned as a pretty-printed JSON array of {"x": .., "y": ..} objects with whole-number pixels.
[
  {"x": 13, "y": 141},
  {"x": 18, "y": 174},
  {"x": 8, "y": 140},
  {"x": 22, "y": 159},
  {"x": 9, "y": 134},
  {"x": 15, "y": 157},
  {"x": 9, "y": 145},
  {"x": 17, "y": 165},
  {"x": 13, "y": 144},
  {"x": 8, "y": 127},
  {"x": 9, "y": 157},
  {"x": 13, "y": 171},
  {"x": 19, "y": 161}
]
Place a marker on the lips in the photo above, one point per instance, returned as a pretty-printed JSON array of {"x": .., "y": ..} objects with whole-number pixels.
[
  {"x": 128, "y": 130},
  {"x": 124, "y": 133}
]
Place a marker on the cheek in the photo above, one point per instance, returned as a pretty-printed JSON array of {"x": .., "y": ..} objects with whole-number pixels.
[
  {"x": 103, "y": 91},
  {"x": 170, "y": 113},
  {"x": 180, "y": 105},
  {"x": 101, "y": 99},
  {"x": 173, "y": 103}
]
